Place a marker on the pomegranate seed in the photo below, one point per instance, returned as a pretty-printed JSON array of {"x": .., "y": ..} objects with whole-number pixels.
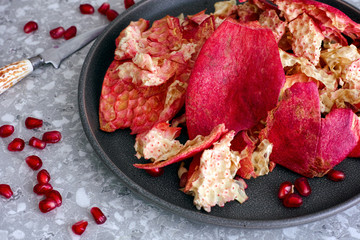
[
  {"x": 335, "y": 175},
  {"x": 292, "y": 200},
  {"x": 41, "y": 189},
  {"x": 55, "y": 195},
  {"x": 79, "y": 227},
  {"x": 51, "y": 137},
  {"x": 128, "y": 3},
  {"x": 285, "y": 189},
  {"x": 155, "y": 172},
  {"x": 103, "y": 8},
  {"x": 6, "y": 130},
  {"x": 16, "y": 145},
  {"x": 34, "y": 162},
  {"x": 5, "y": 190},
  {"x": 57, "y": 32},
  {"x": 43, "y": 176},
  {"x": 31, "y": 123},
  {"x": 30, "y": 27},
  {"x": 70, "y": 32},
  {"x": 98, "y": 215},
  {"x": 86, "y": 8},
  {"x": 37, "y": 143},
  {"x": 47, "y": 204},
  {"x": 302, "y": 186},
  {"x": 111, "y": 14},
  {"x": 183, "y": 179}
]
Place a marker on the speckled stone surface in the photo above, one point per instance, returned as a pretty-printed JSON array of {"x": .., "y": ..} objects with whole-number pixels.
[{"x": 76, "y": 171}]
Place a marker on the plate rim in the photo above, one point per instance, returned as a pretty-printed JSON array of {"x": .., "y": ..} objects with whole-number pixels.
[{"x": 175, "y": 209}]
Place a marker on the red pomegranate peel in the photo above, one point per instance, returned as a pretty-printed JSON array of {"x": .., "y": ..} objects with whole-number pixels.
[
  {"x": 189, "y": 151},
  {"x": 235, "y": 80}
]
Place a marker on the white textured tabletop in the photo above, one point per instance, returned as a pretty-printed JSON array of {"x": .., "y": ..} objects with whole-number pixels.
[{"x": 77, "y": 172}]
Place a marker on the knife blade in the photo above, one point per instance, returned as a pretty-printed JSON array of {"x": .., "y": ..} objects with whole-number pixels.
[{"x": 14, "y": 72}]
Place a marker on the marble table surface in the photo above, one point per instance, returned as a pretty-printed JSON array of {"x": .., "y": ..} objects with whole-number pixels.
[{"x": 76, "y": 170}]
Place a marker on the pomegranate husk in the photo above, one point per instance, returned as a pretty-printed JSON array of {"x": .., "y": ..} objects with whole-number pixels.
[
  {"x": 313, "y": 145},
  {"x": 227, "y": 84},
  {"x": 189, "y": 151}
]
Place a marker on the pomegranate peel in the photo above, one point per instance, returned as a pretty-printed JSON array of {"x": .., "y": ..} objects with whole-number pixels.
[
  {"x": 234, "y": 94},
  {"x": 191, "y": 148}
]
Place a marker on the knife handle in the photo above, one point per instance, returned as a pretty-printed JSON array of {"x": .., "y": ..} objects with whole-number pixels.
[{"x": 13, "y": 73}]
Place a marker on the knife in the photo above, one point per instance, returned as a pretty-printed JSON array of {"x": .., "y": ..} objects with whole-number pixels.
[{"x": 14, "y": 72}]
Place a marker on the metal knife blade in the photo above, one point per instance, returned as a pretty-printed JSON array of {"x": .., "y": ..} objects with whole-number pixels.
[{"x": 14, "y": 72}]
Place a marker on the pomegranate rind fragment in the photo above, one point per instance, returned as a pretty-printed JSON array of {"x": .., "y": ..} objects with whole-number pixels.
[
  {"x": 190, "y": 149},
  {"x": 228, "y": 81},
  {"x": 214, "y": 183},
  {"x": 313, "y": 145}
]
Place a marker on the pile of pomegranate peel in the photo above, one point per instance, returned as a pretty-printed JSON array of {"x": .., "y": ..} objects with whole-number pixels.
[{"x": 281, "y": 81}]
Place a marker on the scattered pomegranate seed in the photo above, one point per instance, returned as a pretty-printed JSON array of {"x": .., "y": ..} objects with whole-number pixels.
[
  {"x": 111, "y": 14},
  {"x": 128, "y": 3},
  {"x": 98, "y": 215},
  {"x": 86, "y": 8},
  {"x": 16, "y": 145},
  {"x": 43, "y": 176},
  {"x": 335, "y": 175},
  {"x": 55, "y": 195},
  {"x": 302, "y": 186},
  {"x": 155, "y": 172},
  {"x": 70, "y": 32},
  {"x": 6, "y": 130},
  {"x": 183, "y": 179},
  {"x": 30, "y": 27},
  {"x": 292, "y": 200},
  {"x": 57, "y": 32},
  {"x": 103, "y": 8},
  {"x": 79, "y": 227},
  {"x": 34, "y": 162},
  {"x": 31, "y": 122},
  {"x": 47, "y": 204},
  {"x": 5, "y": 190},
  {"x": 51, "y": 137},
  {"x": 41, "y": 189},
  {"x": 37, "y": 143},
  {"x": 285, "y": 189}
]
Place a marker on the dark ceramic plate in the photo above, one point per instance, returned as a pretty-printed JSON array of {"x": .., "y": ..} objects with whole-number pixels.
[{"x": 263, "y": 209}]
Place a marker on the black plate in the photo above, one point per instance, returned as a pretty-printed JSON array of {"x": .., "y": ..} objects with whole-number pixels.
[{"x": 263, "y": 209}]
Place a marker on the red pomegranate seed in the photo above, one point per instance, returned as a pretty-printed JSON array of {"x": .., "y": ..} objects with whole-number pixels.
[
  {"x": 56, "y": 196},
  {"x": 31, "y": 123},
  {"x": 5, "y": 190},
  {"x": 111, "y": 14},
  {"x": 41, "y": 189},
  {"x": 30, "y": 27},
  {"x": 43, "y": 176},
  {"x": 335, "y": 175},
  {"x": 16, "y": 145},
  {"x": 155, "y": 172},
  {"x": 302, "y": 186},
  {"x": 285, "y": 189},
  {"x": 292, "y": 200},
  {"x": 70, "y": 32},
  {"x": 183, "y": 179},
  {"x": 47, "y": 204},
  {"x": 51, "y": 137},
  {"x": 37, "y": 143},
  {"x": 86, "y": 8},
  {"x": 6, "y": 130},
  {"x": 103, "y": 8},
  {"x": 128, "y": 3},
  {"x": 79, "y": 227},
  {"x": 34, "y": 162},
  {"x": 57, "y": 32},
  {"x": 98, "y": 215}
]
